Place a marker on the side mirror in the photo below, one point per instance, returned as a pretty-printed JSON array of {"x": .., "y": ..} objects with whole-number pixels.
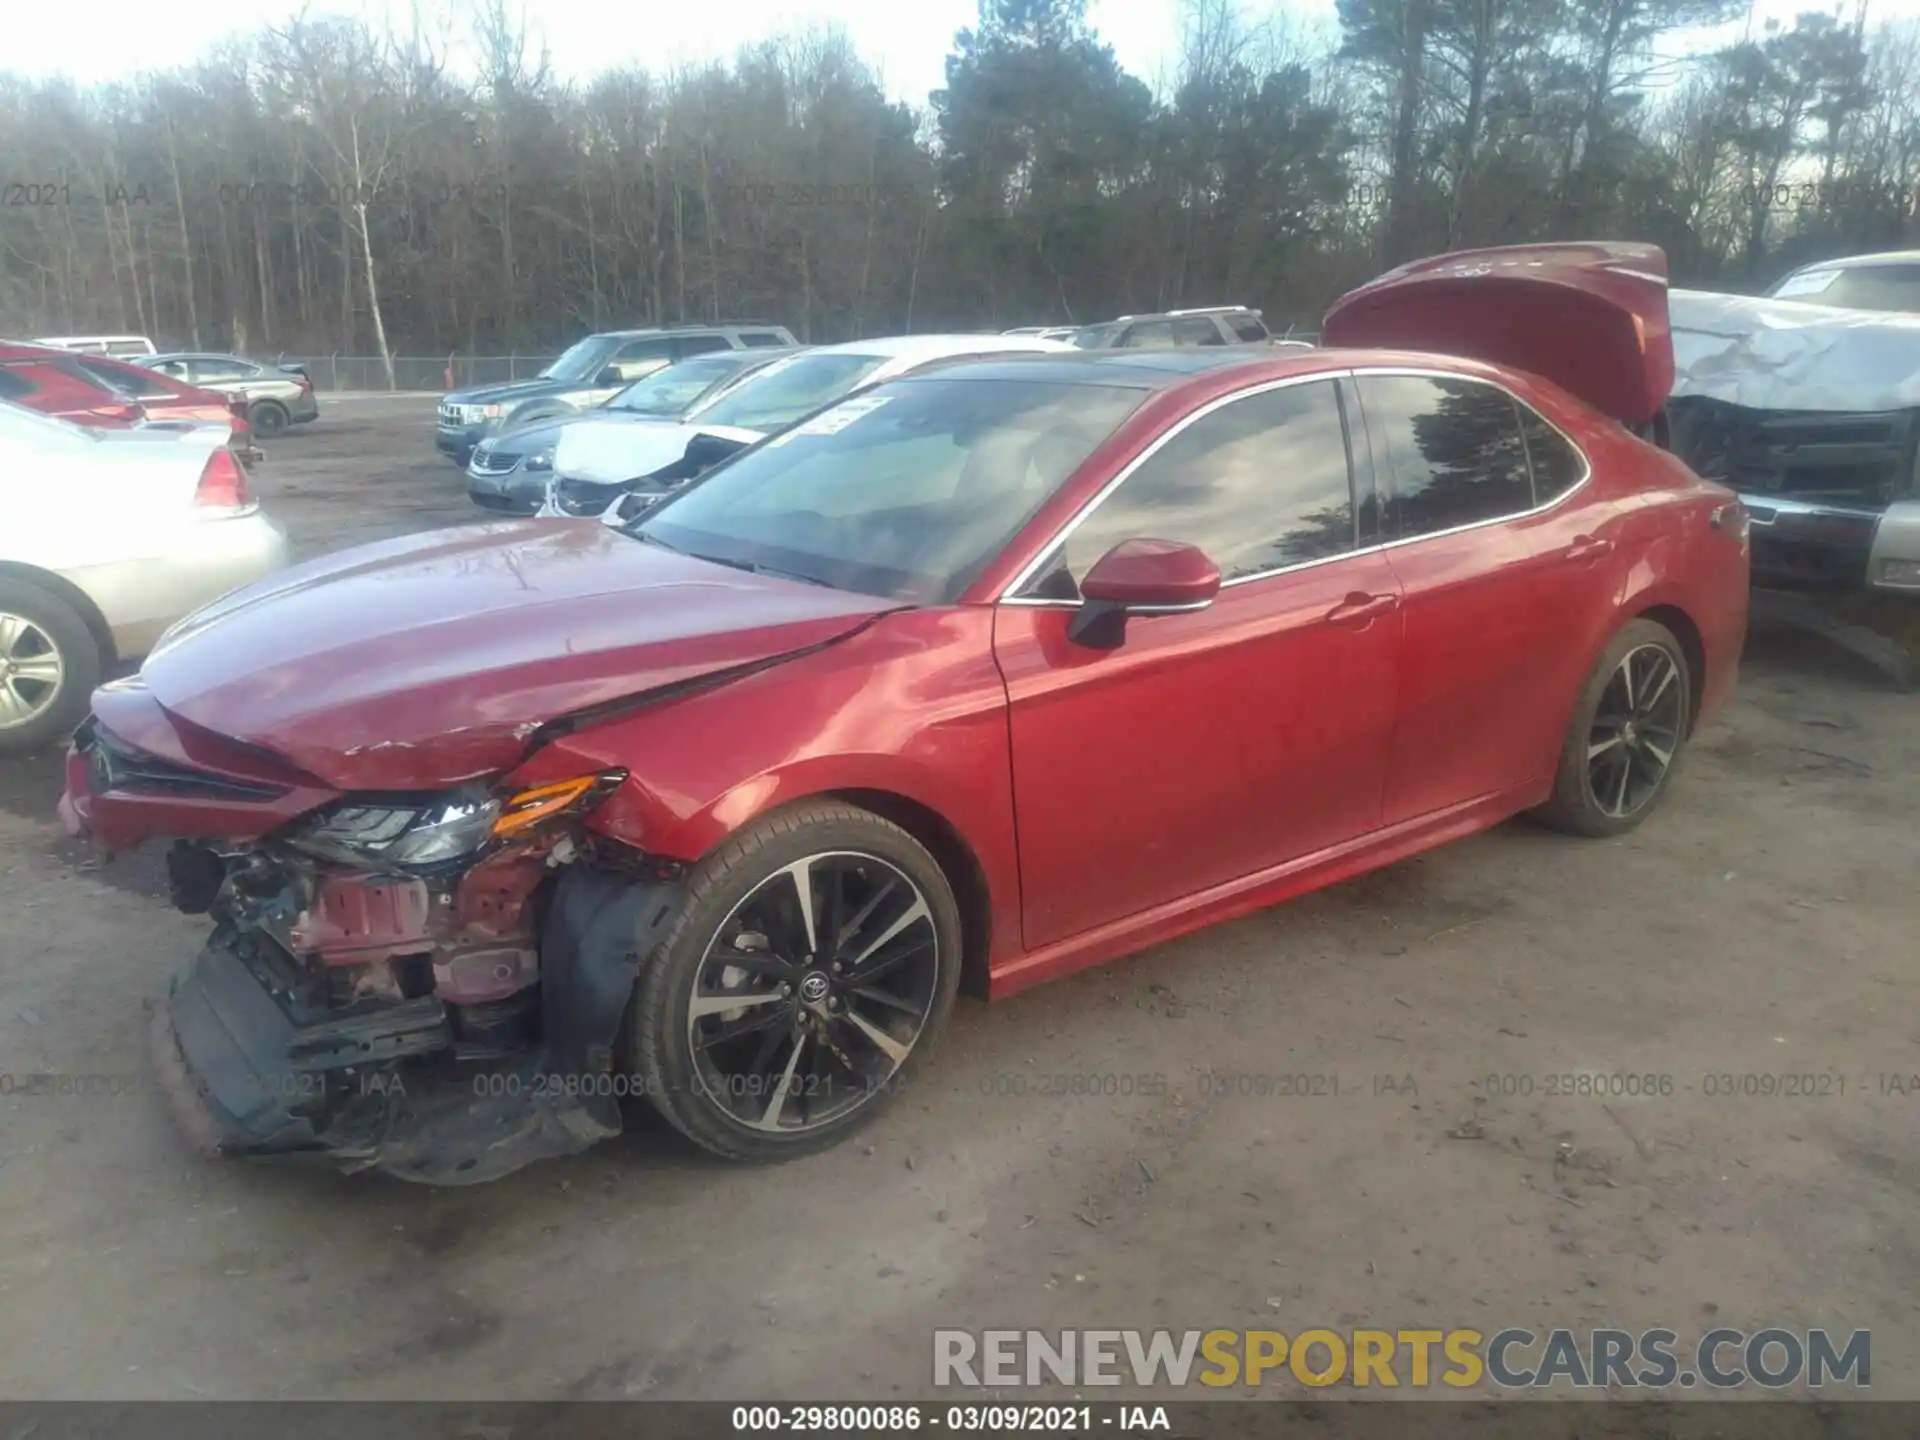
[
  {"x": 1141, "y": 577},
  {"x": 610, "y": 375}
]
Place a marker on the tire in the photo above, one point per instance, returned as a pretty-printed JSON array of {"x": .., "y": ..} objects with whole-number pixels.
[
  {"x": 723, "y": 1095},
  {"x": 42, "y": 635},
  {"x": 269, "y": 419},
  {"x": 1590, "y": 797}
]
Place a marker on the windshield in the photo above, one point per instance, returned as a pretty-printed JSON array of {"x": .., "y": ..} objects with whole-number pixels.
[
  {"x": 579, "y": 362},
  {"x": 1856, "y": 287},
  {"x": 1095, "y": 336},
  {"x": 672, "y": 391},
  {"x": 908, "y": 491},
  {"x": 786, "y": 390}
]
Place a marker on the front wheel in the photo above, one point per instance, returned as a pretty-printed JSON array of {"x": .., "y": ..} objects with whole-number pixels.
[
  {"x": 1627, "y": 734},
  {"x": 49, "y": 664},
  {"x": 812, "y": 968}
]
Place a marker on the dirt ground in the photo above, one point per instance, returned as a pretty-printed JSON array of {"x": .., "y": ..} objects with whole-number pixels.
[{"x": 1762, "y": 924}]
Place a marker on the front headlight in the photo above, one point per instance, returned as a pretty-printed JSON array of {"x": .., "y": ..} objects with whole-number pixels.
[
  {"x": 541, "y": 461},
  {"x": 443, "y": 829}
]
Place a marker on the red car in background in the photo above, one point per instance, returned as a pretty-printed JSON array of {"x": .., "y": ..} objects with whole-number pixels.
[
  {"x": 985, "y": 675},
  {"x": 100, "y": 391}
]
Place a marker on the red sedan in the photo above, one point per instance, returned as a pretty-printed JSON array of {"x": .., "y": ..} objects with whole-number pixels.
[
  {"x": 100, "y": 391},
  {"x": 976, "y": 679}
]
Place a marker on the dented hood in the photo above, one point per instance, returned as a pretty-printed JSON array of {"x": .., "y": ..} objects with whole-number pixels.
[
  {"x": 423, "y": 661},
  {"x": 1589, "y": 316},
  {"x": 608, "y": 452}
]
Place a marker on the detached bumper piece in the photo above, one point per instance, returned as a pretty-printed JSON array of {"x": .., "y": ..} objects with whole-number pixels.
[{"x": 387, "y": 1090}]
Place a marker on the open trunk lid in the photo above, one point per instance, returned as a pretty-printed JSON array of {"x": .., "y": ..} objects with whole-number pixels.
[{"x": 1589, "y": 316}]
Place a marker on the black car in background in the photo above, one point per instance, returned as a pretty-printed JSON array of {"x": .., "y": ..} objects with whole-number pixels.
[
  {"x": 509, "y": 471},
  {"x": 587, "y": 375}
]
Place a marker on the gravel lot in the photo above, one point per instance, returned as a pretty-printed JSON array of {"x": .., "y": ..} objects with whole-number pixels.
[{"x": 1763, "y": 924}]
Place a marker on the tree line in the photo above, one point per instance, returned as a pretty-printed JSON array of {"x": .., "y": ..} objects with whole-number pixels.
[{"x": 325, "y": 186}]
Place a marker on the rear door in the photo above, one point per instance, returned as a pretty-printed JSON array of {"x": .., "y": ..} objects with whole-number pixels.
[
  {"x": 1214, "y": 744},
  {"x": 1509, "y": 567}
]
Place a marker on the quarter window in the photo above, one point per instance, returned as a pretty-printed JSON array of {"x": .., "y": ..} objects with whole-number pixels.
[
  {"x": 1259, "y": 484},
  {"x": 1453, "y": 447},
  {"x": 1557, "y": 466}
]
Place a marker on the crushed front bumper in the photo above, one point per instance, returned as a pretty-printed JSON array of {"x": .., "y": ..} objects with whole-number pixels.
[{"x": 388, "y": 1090}]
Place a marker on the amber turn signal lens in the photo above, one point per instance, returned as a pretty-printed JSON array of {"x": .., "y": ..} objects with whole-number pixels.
[{"x": 529, "y": 807}]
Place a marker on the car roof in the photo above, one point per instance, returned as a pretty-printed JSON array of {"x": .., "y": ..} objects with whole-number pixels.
[
  {"x": 688, "y": 329},
  {"x": 935, "y": 347},
  {"x": 1128, "y": 369}
]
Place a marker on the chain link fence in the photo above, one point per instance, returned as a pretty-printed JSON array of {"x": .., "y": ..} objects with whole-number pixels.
[{"x": 436, "y": 373}]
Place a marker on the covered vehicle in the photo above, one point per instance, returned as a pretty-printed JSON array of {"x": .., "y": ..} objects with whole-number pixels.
[
  {"x": 110, "y": 537},
  {"x": 1812, "y": 413},
  {"x": 987, "y": 674},
  {"x": 599, "y": 462},
  {"x": 510, "y": 471}
]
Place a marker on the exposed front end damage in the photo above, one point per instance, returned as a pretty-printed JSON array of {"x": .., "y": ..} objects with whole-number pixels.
[{"x": 447, "y": 1020}]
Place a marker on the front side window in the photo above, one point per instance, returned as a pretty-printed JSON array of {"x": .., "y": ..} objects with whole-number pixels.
[
  {"x": 685, "y": 345},
  {"x": 580, "y": 361},
  {"x": 1246, "y": 328},
  {"x": 788, "y": 389},
  {"x": 909, "y": 490},
  {"x": 216, "y": 369},
  {"x": 1148, "y": 335},
  {"x": 1260, "y": 484},
  {"x": 638, "y": 357},
  {"x": 1453, "y": 448},
  {"x": 1096, "y": 337}
]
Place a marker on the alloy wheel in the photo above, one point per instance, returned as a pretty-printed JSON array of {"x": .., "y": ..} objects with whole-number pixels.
[
  {"x": 1636, "y": 730},
  {"x": 813, "y": 992},
  {"x": 31, "y": 670}
]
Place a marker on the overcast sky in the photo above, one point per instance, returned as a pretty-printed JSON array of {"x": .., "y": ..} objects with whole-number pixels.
[{"x": 907, "y": 39}]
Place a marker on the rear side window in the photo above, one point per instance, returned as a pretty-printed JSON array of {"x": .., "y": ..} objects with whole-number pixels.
[
  {"x": 1245, "y": 327},
  {"x": 217, "y": 369},
  {"x": 1557, "y": 467},
  {"x": 685, "y": 345},
  {"x": 13, "y": 386},
  {"x": 1198, "y": 331},
  {"x": 1260, "y": 484},
  {"x": 143, "y": 386},
  {"x": 1453, "y": 448}
]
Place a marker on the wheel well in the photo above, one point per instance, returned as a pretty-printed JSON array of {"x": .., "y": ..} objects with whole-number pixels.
[
  {"x": 1688, "y": 634},
  {"x": 267, "y": 402},
  {"x": 78, "y": 599},
  {"x": 960, "y": 865}
]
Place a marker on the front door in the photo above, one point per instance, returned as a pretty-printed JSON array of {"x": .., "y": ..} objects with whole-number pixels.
[{"x": 1217, "y": 743}]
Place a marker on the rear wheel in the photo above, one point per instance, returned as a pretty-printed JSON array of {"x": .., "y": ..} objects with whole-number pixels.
[
  {"x": 1627, "y": 734},
  {"x": 812, "y": 968},
  {"x": 269, "y": 419},
  {"x": 49, "y": 664}
]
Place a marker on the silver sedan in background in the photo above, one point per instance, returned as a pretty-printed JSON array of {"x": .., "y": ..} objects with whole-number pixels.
[{"x": 107, "y": 538}]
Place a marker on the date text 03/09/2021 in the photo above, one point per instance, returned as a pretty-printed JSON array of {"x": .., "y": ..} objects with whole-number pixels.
[{"x": 963, "y": 1419}]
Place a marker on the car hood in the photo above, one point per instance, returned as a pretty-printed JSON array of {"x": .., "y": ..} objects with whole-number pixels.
[
  {"x": 513, "y": 390},
  {"x": 608, "y": 453},
  {"x": 420, "y": 662},
  {"x": 1591, "y": 316}
]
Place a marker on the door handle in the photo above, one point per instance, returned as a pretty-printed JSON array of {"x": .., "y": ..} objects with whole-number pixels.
[
  {"x": 1588, "y": 547},
  {"x": 1360, "y": 608}
]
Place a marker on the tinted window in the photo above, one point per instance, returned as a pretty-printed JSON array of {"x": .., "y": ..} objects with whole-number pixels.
[
  {"x": 1557, "y": 466},
  {"x": 1196, "y": 332},
  {"x": 1259, "y": 484},
  {"x": 1453, "y": 448},
  {"x": 907, "y": 490},
  {"x": 1245, "y": 327},
  {"x": 13, "y": 386},
  {"x": 761, "y": 337},
  {"x": 659, "y": 348},
  {"x": 687, "y": 345},
  {"x": 123, "y": 382}
]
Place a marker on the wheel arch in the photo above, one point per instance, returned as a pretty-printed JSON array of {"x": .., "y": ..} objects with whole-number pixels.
[
  {"x": 75, "y": 598},
  {"x": 1687, "y": 632}
]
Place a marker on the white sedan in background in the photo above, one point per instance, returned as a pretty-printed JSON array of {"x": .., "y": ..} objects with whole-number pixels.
[
  {"x": 598, "y": 462},
  {"x": 106, "y": 539}
]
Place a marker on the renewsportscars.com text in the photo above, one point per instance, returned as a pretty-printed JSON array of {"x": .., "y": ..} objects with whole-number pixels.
[{"x": 1514, "y": 1358}]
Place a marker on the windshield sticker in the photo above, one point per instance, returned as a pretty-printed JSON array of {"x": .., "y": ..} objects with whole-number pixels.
[
  {"x": 1811, "y": 283},
  {"x": 841, "y": 416}
]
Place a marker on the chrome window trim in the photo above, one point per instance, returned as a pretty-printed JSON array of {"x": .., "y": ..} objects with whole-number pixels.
[{"x": 1009, "y": 593}]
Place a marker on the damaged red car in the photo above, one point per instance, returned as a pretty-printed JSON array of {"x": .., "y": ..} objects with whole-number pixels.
[{"x": 969, "y": 681}]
